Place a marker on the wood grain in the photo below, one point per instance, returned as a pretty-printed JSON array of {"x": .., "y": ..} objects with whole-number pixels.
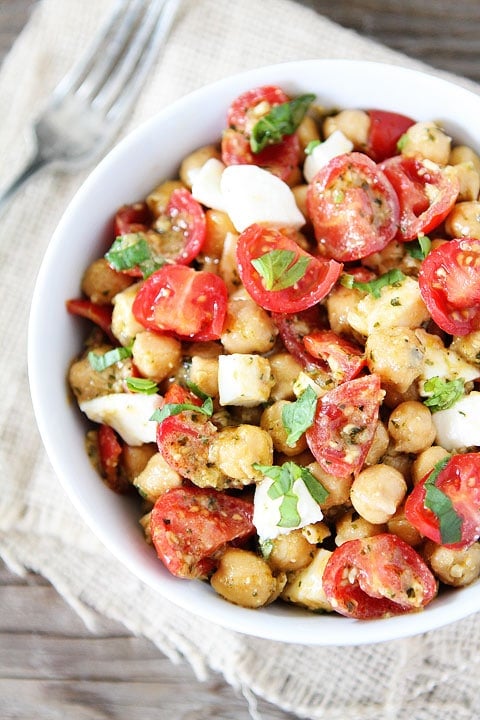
[{"x": 51, "y": 666}]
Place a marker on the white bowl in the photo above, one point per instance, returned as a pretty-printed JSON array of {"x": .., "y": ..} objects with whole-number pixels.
[{"x": 148, "y": 155}]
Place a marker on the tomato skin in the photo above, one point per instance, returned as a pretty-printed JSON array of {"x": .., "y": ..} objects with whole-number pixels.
[
  {"x": 293, "y": 327},
  {"x": 186, "y": 214},
  {"x": 345, "y": 359},
  {"x": 352, "y": 405},
  {"x": 449, "y": 282},
  {"x": 132, "y": 218},
  {"x": 460, "y": 481},
  {"x": 386, "y": 129},
  {"x": 377, "y": 576},
  {"x": 101, "y": 315},
  {"x": 183, "y": 440},
  {"x": 110, "y": 451},
  {"x": 418, "y": 215},
  {"x": 181, "y": 300},
  {"x": 281, "y": 158},
  {"x": 353, "y": 207},
  {"x": 189, "y": 525},
  {"x": 319, "y": 278}
]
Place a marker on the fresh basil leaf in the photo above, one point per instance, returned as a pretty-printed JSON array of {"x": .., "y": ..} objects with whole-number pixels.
[
  {"x": 402, "y": 141},
  {"x": 279, "y": 269},
  {"x": 131, "y": 251},
  {"x": 176, "y": 408},
  {"x": 444, "y": 393},
  {"x": 419, "y": 248},
  {"x": 101, "y": 362},
  {"x": 314, "y": 486},
  {"x": 311, "y": 146},
  {"x": 289, "y": 516},
  {"x": 282, "y": 120},
  {"x": 196, "y": 390},
  {"x": 450, "y": 523},
  {"x": 298, "y": 416},
  {"x": 393, "y": 278},
  {"x": 142, "y": 385}
]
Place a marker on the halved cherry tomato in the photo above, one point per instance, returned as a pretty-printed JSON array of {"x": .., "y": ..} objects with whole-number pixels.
[
  {"x": 353, "y": 208},
  {"x": 131, "y": 219},
  {"x": 190, "y": 526},
  {"x": 319, "y": 277},
  {"x": 110, "y": 452},
  {"x": 177, "y": 236},
  {"x": 344, "y": 425},
  {"x": 411, "y": 178},
  {"x": 459, "y": 480},
  {"x": 178, "y": 395},
  {"x": 345, "y": 359},
  {"x": 281, "y": 158},
  {"x": 449, "y": 281},
  {"x": 101, "y": 315},
  {"x": 293, "y": 327},
  {"x": 386, "y": 129},
  {"x": 178, "y": 299},
  {"x": 376, "y": 577}
]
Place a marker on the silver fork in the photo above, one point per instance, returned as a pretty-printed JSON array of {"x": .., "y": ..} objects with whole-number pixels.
[{"x": 88, "y": 107}]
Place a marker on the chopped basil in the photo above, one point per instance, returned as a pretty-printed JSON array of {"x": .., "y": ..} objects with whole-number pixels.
[
  {"x": 131, "y": 251},
  {"x": 142, "y": 385},
  {"x": 402, "y": 141},
  {"x": 282, "y": 120},
  {"x": 175, "y": 408},
  {"x": 393, "y": 278},
  {"x": 101, "y": 362},
  {"x": 450, "y": 523},
  {"x": 284, "y": 478},
  {"x": 279, "y": 269},
  {"x": 298, "y": 416},
  {"x": 444, "y": 393},
  {"x": 311, "y": 146},
  {"x": 419, "y": 248}
]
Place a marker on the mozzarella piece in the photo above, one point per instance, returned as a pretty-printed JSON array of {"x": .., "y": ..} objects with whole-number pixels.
[
  {"x": 253, "y": 195},
  {"x": 459, "y": 425},
  {"x": 127, "y": 413},
  {"x": 442, "y": 362},
  {"x": 125, "y": 326},
  {"x": 243, "y": 379},
  {"x": 206, "y": 184},
  {"x": 266, "y": 511},
  {"x": 336, "y": 144}
]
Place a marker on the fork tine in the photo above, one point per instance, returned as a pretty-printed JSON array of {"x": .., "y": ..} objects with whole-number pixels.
[
  {"x": 120, "y": 19},
  {"x": 127, "y": 77}
]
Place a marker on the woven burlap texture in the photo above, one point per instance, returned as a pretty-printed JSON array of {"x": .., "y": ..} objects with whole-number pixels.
[{"x": 428, "y": 677}]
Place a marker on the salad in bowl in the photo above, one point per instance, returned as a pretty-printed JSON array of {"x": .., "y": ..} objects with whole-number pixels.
[{"x": 275, "y": 353}]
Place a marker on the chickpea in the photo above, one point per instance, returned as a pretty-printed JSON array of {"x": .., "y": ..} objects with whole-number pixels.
[
  {"x": 307, "y": 131},
  {"x": 158, "y": 199},
  {"x": 156, "y": 356},
  {"x": 316, "y": 533},
  {"x": 468, "y": 346},
  {"x": 156, "y": 478},
  {"x": 101, "y": 282},
  {"x": 290, "y": 551},
  {"x": 227, "y": 267},
  {"x": 340, "y": 302},
  {"x": 285, "y": 370},
  {"x": 234, "y": 450},
  {"x": 399, "y": 461},
  {"x": 300, "y": 195},
  {"x": 394, "y": 397},
  {"x": 400, "y": 526},
  {"x": 338, "y": 488},
  {"x": 379, "y": 445},
  {"x": 245, "y": 579},
  {"x": 204, "y": 374},
  {"x": 135, "y": 459},
  {"x": 305, "y": 588},
  {"x": 463, "y": 154},
  {"x": 193, "y": 162},
  {"x": 218, "y": 226},
  {"x": 468, "y": 180},
  {"x": 352, "y": 527},
  {"x": 394, "y": 255},
  {"x": 427, "y": 141},
  {"x": 124, "y": 324},
  {"x": 396, "y": 355},
  {"x": 411, "y": 427},
  {"x": 87, "y": 383},
  {"x": 377, "y": 492},
  {"x": 464, "y": 220},
  {"x": 451, "y": 566},
  {"x": 272, "y": 422},
  {"x": 354, "y": 124},
  {"x": 248, "y": 328},
  {"x": 426, "y": 461}
]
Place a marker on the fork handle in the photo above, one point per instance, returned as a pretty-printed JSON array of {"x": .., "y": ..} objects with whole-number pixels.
[{"x": 36, "y": 163}]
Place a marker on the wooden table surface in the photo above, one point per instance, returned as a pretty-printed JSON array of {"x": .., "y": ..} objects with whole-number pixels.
[{"x": 51, "y": 666}]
